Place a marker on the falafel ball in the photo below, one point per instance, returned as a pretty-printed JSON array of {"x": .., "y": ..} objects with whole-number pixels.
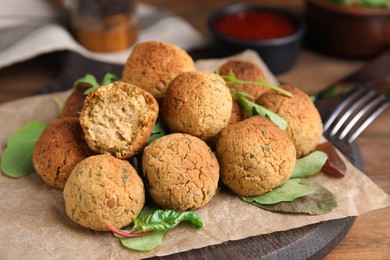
[
  {"x": 181, "y": 172},
  {"x": 118, "y": 118},
  {"x": 246, "y": 71},
  {"x": 58, "y": 150},
  {"x": 153, "y": 64},
  {"x": 75, "y": 101},
  {"x": 104, "y": 191},
  {"x": 255, "y": 156},
  {"x": 303, "y": 119},
  {"x": 197, "y": 103}
]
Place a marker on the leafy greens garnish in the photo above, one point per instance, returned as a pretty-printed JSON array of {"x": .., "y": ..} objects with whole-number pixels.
[
  {"x": 309, "y": 165},
  {"x": 288, "y": 191},
  {"x": 158, "y": 131},
  {"x": 251, "y": 109},
  {"x": 321, "y": 201},
  {"x": 16, "y": 160},
  {"x": 91, "y": 80},
  {"x": 232, "y": 79},
  {"x": 149, "y": 227}
]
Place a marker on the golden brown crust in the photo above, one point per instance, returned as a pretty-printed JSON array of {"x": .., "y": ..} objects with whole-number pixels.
[
  {"x": 181, "y": 171},
  {"x": 118, "y": 119},
  {"x": 104, "y": 191},
  {"x": 59, "y": 148},
  {"x": 303, "y": 119},
  {"x": 74, "y": 103},
  {"x": 197, "y": 103},
  {"x": 152, "y": 65},
  {"x": 255, "y": 156},
  {"x": 246, "y": 71}
]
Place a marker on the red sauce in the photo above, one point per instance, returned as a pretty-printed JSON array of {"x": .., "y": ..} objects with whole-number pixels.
[{"x": 258, "y": 25}]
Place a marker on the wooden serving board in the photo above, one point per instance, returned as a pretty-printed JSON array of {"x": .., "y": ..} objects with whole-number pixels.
[{"x": 308, "y": 242}]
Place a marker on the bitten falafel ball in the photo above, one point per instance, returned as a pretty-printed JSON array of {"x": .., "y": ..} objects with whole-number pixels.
[
  {"x": 58, "y": 150},
  {"x": 246, "y": 71},
  {"x": 303, "y": 119},
  {"x": 181, "y": 172},
  {"x": 153, "y": 64},
  {"x": 197, "y": 103},
  {"x": 104, "y": 191},
  {"x": 255, "y": 156},
  {"x": 118, "y": 118}
]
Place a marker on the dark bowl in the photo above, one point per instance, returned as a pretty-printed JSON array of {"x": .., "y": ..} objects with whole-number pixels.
[
  {"x": 350, "y": 32},
  {"x": 279, "y": 54}
]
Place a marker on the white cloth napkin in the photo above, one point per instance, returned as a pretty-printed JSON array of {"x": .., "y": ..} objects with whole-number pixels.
[{"x": 29, "y": 28}]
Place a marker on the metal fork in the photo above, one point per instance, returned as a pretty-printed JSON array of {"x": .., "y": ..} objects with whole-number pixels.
[{"x": 357, "y": 110}]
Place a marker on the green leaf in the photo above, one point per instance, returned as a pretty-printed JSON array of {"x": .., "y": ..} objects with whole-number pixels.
[
  {"x": 87, "y": 79},
  {"x": 108, "y": 78},
  {"x": 164, "y": 220},
  {"x": 320, "y": 202},
  {"x": 91, "y": 80},
  {"x": 16, "y": 160},
  {"x": 309, "y": 165},
  {"x": 232, "y": 79},
  {"x": 144, "y": 243},
  {"x": 288, "y": 191},
  {"x": 252, "y": 108},
  {"x": 159, "y": 130}
]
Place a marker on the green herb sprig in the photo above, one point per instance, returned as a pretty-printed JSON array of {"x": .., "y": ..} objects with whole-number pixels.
[
  {"x": 232, "y": 79},
  {"x": 251, "y": 109},
  {"x": 91, "y": 80}
]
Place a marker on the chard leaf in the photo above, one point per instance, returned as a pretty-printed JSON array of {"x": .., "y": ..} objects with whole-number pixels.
[
  {"x": 16, "y": 160},
  {"x": 320, "y": 202},
  {"x": 251, "y": 109},
  {"x": 144, "y": 243},
  {"x": 288, "y": 191},
  {"x": 309, "y": 165},
  {"x": 164, "y": 220}
]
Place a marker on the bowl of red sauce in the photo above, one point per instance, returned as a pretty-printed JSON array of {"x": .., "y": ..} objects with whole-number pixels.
[{"x": 275, "y": 33}]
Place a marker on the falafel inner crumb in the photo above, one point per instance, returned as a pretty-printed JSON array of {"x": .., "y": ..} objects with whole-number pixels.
[{"x": 115, "y": 116}]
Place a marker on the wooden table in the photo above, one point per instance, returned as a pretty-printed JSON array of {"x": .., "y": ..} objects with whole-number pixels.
[{"x": 369, "y": 237}]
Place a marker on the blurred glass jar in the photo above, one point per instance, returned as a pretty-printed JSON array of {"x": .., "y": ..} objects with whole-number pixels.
[{"x": 104, "y": 25}]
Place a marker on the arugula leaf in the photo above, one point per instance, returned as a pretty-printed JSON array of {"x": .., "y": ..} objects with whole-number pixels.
[
  {"x": 16, "y": 160},
  {"x": 309, "y": 165},
  {"x": 321, "y": 201},
  {"x": 232, "y": 79},
  {"x": 251, "y": 108},
  {"x": 91, "y": 80},
  {"x": 288, "y": 191}
]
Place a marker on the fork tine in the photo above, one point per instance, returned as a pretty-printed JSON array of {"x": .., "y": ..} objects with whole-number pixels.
[
  {"x": 352, "y": 96},
  {"x": 378, "y": 109},
  {"x": 371, "y": 106},
  {"x": 363, "y": 97}
]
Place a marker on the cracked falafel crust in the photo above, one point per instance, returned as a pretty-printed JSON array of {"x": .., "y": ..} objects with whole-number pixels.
[
  {"x": 304, "y": 124},
  {"x": 181, "y": 172},
  {"x": 58, "y": 150},
  {"x": 197, "y": 103},
  {"x": 104, "y": 191},
  {"x": 255, "y": 156},
  {"x": 118, "y": 119},
  {"x": 153, "y": 64}
]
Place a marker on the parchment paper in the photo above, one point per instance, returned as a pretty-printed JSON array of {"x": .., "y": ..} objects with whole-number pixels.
[{"x": 34, "y": 225}]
